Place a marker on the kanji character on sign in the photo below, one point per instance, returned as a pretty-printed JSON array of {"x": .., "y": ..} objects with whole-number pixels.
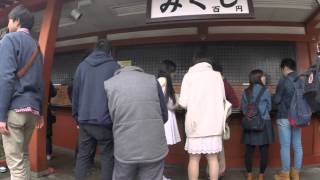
[
  {"x": 164, "y": 7},
  {"x": 228, "y": 5},
  {"x": 202, "y": 6}
]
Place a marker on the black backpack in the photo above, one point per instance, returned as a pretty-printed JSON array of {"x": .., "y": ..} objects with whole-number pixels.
[
  {"x": 252, "y": 118},
  {"x": 312, "y": 86}
]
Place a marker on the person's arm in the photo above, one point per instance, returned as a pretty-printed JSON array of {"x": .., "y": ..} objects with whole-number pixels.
[
  {"x": 244, "y": 103},
  {"x": 75, "y": 94},
  {"x": 184, "y": 93},
  {"x": 8, "y": 68},
  {"x": 277, "y": 98},
  {"x": 231, "y": 95},
  {"x": 163, "y": 105},
  {"x": 268, "y": 100}
]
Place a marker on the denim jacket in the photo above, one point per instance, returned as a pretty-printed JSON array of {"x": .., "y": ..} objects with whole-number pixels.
[
  {"x": 265, "y": 104},
  {"x": 283, "y": 96}
]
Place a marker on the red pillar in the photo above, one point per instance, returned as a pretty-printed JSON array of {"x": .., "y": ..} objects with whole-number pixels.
[
  {"x": 303, "y": 56},
  {"x": 47, "y": 41}
]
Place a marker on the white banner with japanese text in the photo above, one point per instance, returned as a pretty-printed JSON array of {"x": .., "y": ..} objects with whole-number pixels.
[{"x": 194, "y": 9}]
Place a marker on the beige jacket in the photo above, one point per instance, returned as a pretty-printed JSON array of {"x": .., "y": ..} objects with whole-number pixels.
[{"x": 202, "y": 94}]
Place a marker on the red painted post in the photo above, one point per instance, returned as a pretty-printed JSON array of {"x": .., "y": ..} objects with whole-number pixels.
[{"x": 47, "y": 41}]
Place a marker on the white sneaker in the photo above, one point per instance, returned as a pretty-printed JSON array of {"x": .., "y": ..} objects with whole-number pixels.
[
  {"x": 165, "y": 178},
  {"x": 3, "y": 169}
]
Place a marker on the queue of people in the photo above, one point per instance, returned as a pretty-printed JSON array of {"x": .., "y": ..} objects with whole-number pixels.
[{"x": 130, "y": 115}]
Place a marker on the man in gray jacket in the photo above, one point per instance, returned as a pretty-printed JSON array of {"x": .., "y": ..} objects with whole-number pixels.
[{"x": 138, "y": 110}]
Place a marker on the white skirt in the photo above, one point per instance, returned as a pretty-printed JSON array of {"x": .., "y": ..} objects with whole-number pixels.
[
  {"x": 171, "y": 129},
  {"x": 204, "y": 145}
]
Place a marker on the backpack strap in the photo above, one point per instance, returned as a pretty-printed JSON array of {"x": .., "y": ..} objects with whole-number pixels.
[
  {"x": 249, "y": 95},
  {"x": 261, "y": 92},
  {"x": 23, "y": 71}
]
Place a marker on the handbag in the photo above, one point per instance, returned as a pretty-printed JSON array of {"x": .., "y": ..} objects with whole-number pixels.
[{"x": 227, "y": 113}]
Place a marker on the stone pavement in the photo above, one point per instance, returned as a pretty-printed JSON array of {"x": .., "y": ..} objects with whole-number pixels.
[{"x": 63, "y": 163}]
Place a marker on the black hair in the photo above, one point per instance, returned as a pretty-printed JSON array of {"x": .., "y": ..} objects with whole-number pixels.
[
  {"x": 255, "y": 77},
  {"x": 166, "y": 68},
  {"x": 22, "y": 14},
  {"x": 217, "y": 67},
  {"x": 200, "y": 54},
  {"x": 104, "y": 45},
  {"x": 289, "y": 63}
]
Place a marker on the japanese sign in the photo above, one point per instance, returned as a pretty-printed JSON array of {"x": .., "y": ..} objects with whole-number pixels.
[{"x": 171, "y": 10}]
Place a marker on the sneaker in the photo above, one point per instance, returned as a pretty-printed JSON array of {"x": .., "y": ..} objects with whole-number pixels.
[
  {"x": 49, "y": 157},
  {"x": 165, "y": 178},
  {"x": 3, "y": 169}
]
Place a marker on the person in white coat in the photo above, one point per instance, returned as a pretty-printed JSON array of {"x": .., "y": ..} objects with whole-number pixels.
[{"x": 203, "y": 94}]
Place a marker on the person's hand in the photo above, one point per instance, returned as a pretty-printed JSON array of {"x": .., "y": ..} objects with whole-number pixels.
[
  {"x": 3, "y": 128},
  {"x": 40, "y": 123}
]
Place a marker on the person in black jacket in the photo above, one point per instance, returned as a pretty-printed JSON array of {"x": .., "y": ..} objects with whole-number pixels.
[
  {"x": 51, "y": 119},
  {"x": 90, "y": 109}
]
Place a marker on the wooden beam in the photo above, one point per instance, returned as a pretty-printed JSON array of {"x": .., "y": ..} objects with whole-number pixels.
[
  {"x": 182, "y": 25},
  {"x": 47, "y": 41},
  {"x": 313, "y": 20}
]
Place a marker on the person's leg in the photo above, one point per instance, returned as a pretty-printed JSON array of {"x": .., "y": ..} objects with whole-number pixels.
[
  {"x": 104, "y": 138},
  {"x": 28, "y": 130},
  {"x": 3, "y": 168},
  {"x": 284, "y": 129},
  {"x": 298, "y": 153},
  {"x": 14, "y": 146},
  {"x": 86, "y": 146},
  {"x": 193, "y": 167},
  {"x": 263, "y": 158},
  {"x": 222, "y": 162},
  {"x": 76, "y": 150},
  {"x": 248, "y": 157},
  {"x": 152, "y": 171},
  {"x": 49, "y": 140},
  {"x": 123, "y": 171},
  {"x": 297, "y": 148},
  {"x": 213, "y": 166},
  {"x": 93, "y": 155}
]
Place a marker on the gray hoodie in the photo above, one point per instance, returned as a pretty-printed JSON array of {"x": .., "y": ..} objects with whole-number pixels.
[{"x": 138, "y": 111}]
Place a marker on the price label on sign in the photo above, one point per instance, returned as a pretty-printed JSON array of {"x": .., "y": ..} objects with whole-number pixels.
[{"x": 172, "y": 10}]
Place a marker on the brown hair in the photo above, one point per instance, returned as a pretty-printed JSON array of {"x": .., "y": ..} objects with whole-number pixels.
[{"x": 255, "y": 77}]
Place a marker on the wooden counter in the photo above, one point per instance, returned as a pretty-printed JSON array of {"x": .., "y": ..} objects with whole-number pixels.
[{"x": 65, "y": 135}]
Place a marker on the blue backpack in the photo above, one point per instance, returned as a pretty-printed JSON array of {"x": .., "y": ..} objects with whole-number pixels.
[{"x": 299, "y": 114}]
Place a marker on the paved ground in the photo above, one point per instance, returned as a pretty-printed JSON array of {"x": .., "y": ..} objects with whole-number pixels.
[{"x": 63, "y": 163}]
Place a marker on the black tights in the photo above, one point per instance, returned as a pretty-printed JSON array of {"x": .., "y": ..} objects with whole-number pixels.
[{"x": 263, "y": 157}]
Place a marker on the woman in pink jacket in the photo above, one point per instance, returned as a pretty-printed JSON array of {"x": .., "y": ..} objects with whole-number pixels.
[{"x": 202, "y": 95}]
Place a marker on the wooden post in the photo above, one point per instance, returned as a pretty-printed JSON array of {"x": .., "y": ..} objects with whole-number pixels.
[
  {"x": 303, "y": 56},
  {"x": 47, "y": 41}
]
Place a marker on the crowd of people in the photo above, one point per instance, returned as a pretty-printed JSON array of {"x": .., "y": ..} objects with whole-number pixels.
[{"x": 130, "y": 114}]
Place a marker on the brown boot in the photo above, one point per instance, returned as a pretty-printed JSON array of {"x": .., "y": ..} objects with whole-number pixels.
[
  {"x": 282, "y": 176},
  {"x": 261, "y": 177},
  {"x": 249, "y": 176},
  {"x": 294, "y": 174}
]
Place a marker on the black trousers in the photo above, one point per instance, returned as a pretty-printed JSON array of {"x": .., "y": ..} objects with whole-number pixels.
[
  {"x": 93, "y": 155},
  {"x": 263, "y": 157},
  {"x": 90, "y": 135},
  {"x": 49, "y": 138}
]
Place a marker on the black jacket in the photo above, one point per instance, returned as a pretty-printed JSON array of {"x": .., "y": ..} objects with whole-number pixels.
[{"x": 284, "y": 94}]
